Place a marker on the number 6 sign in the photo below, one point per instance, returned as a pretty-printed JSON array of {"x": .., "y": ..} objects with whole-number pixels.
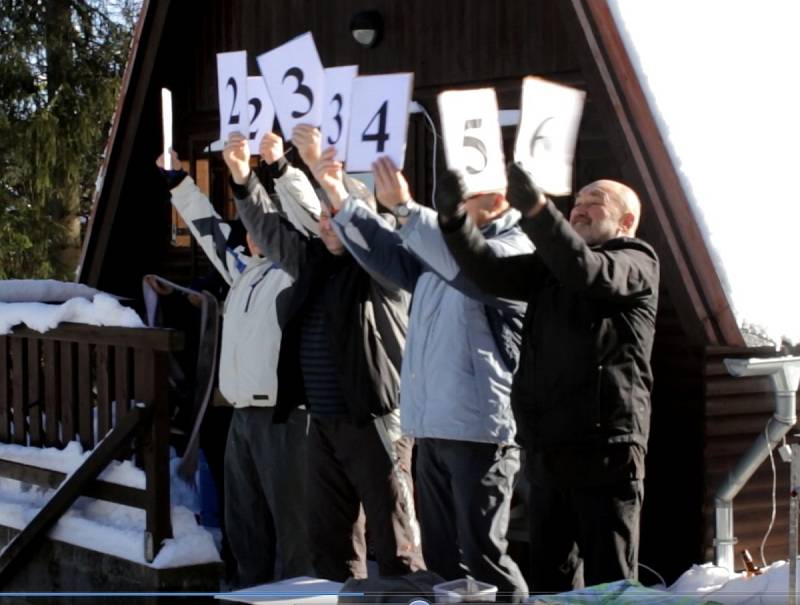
[
  {"x": 473, "y": 143},
  {"x": 295, "y": 80},
  {"x": 548, "y": 127}
]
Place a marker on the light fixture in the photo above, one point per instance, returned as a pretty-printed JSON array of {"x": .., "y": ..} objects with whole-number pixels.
[{"x": 367, "y": 28}]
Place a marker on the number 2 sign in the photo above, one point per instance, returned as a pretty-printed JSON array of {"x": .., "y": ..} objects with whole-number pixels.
[
  {"x": 232, "y": 89},
  {"x": 378, "y": 120},
  {"x": 548, "y": 128},
  {"x": 473, "y": 143},
  {"x": 260, "y": 110},
  {"x": 295, "y": 79}
]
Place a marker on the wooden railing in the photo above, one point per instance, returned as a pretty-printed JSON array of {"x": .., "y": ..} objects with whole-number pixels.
[{"x": 77, "y": 382}]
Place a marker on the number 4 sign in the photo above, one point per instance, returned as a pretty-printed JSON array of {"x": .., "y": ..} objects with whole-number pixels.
[
  {"x": 378, "y": 120},
  {"x": 548, "y": 128},
  {"x": 232, "y": 89},
  {"x": 295, "y": 80},
  {"x": 473, "y": 143}
]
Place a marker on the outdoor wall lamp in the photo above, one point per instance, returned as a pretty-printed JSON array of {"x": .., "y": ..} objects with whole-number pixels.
[{"x": 367, "y": 28}]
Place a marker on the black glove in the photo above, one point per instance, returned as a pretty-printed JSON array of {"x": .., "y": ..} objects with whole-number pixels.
[
  {"x": 173, "y": 178},
  {"x": 522, "y": 192},
  {"x": 450, "y": 193}
]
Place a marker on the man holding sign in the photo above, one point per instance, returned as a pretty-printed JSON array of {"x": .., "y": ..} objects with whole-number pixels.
[
  {"x": 456, "y": 371},
  {"x": 581, "y": 394}
]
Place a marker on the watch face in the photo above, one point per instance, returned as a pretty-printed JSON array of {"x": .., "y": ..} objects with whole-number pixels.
[{"x": 401, "y": 211}]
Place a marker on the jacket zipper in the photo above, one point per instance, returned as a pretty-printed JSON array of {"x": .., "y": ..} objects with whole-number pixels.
[
  {"x": 597, "y": 422},
  {"x": 253, "y": 287}
]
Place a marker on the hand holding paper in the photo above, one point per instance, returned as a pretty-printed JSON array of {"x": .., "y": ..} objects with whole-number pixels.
[
  {"x": 523, "y": 194},
  {"x": 450, "y": 195},
  {"x": 328, "y": 172},
  {"x": 237, "y": 156},
  {"x": 306, "y": 139},
  {"x": 271, "y": 148},
  {"x": 391, "y": 187}
]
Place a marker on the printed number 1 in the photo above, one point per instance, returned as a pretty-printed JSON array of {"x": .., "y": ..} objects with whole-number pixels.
[{"x": 381, "y": 136}]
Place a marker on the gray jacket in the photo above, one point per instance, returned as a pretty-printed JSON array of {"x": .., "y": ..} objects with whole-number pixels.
[{"x": 455, "y": 382}]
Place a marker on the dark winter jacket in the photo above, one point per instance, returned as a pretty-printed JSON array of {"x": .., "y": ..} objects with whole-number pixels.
[
  {"x": 366, "y": 320},
  {"x": 584, "y": 378}
]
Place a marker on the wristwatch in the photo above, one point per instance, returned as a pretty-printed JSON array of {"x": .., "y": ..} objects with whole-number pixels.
[{"x": 401, "y": 210}]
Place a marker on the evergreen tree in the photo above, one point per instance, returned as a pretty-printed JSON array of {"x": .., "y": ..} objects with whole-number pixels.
[{"x": 61, "y": 65}]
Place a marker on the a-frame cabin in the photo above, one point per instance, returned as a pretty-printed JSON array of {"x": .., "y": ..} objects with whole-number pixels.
[{"x": 702, "y": 418}]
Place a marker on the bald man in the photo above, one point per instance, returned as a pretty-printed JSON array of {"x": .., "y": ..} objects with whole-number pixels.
[{"x": 581, "y": 395}]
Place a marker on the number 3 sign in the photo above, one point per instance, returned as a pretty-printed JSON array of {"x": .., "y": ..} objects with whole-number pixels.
[
  {"x": 378, "y": 120},
  {"x": 295, "y": 80},
  {"x": 473, "y": 143}
]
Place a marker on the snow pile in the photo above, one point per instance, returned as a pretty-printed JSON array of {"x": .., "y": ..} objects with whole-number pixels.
[
  {"x": 105, "y": 527},
  {"x": 103, "y": 310},
  {"x": 720, "y": 586}
]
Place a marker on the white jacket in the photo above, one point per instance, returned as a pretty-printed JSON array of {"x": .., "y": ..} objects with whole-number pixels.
[{"x": 251, "y": 332}]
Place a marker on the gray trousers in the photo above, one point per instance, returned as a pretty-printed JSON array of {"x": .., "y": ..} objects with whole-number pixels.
[
  {"x": 265, "y": 495},
  {"x": 353, "y": 476},
  {"x": 464, "y": 491}
]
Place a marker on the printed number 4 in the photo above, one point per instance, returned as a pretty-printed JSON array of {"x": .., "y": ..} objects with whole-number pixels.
[{"x": 381, "y": 136}]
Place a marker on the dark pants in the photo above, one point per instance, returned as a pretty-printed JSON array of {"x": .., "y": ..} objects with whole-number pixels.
[
  {"x": 465, "y": 493},
  {"x": 265, "y": 495},
  {"x": 351, "y": 474},
  {"x": 582, "y": 536}
]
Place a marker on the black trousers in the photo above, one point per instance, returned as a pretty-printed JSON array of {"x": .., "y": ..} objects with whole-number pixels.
[
  {"x": 465, "y": 493},
  {"x": 352, "y": 475},
  {"x": 582, "y": 536}
]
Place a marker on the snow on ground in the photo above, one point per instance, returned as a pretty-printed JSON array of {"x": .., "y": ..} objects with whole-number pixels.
[
  {"x": 103, "y": 310},
  {"x": 101, "y": 526}
]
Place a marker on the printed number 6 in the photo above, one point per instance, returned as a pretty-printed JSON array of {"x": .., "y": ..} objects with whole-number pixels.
[
  {"x": 302, "y": 89},
  {"x": 538, "y": 136}
]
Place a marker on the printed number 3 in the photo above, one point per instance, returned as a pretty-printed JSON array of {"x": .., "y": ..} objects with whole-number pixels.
[
  {"x": 302, "y": 89},
  {"x": 337, "y": 98}
]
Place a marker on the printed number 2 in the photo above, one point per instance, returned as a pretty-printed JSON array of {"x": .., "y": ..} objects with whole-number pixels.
[
  {"x": 337, "y": 118},
  {"x": 256, "y": 103},
  {"x": 302, "y": 89},
  {"x": 233, "y": 118},
  {"x": 476, "y": 144},
  {"x": 381, "y": 136}
]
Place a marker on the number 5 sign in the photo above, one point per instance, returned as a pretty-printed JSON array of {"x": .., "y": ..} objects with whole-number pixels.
[
  {"x": 473, "y": 143},
  {"x": 378, "y": 120},
  {"x": 295, "y": 80},
  {"x": 548, "y": 127}
]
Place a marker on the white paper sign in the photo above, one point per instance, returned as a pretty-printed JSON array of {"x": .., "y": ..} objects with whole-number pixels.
[
  {"x": 336, "y": 111},
  {"x": 473, "y": 142},
  {"x": 259, "y": 110},
  {"x": 166, "y": 127},
  {"x": 378, "y": 120},
  {"x": 548, "y": 129},
  {"x": 295, "y": 79},
  {"x": 232, "y": 89}
]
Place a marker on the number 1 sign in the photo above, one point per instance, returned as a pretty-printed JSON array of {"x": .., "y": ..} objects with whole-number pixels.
[
  {"x": 473, "y": 143},
  {"x": 232, "y": 89},
  {"x": 548, "y": 127},
  {"x": 295, "y": 80},
  {"x": 378, "y": 120}
]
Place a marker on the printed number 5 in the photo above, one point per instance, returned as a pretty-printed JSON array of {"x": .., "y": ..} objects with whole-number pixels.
[
  {"x": 476, "y": 144},
  {"x": 302, "y": 89}
]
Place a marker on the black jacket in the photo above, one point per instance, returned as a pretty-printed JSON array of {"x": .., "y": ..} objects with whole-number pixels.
[
  {"x": 367, "y": 320},
  {"x": 584, "y": 378}
]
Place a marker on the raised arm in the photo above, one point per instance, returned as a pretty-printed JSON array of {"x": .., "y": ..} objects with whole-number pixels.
[
  {"x": 368, "y": 237},
  {"x": 278, "y": 239},
  {"x": 622, "y": 268},
  {"x": 205, "y": 225}
]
